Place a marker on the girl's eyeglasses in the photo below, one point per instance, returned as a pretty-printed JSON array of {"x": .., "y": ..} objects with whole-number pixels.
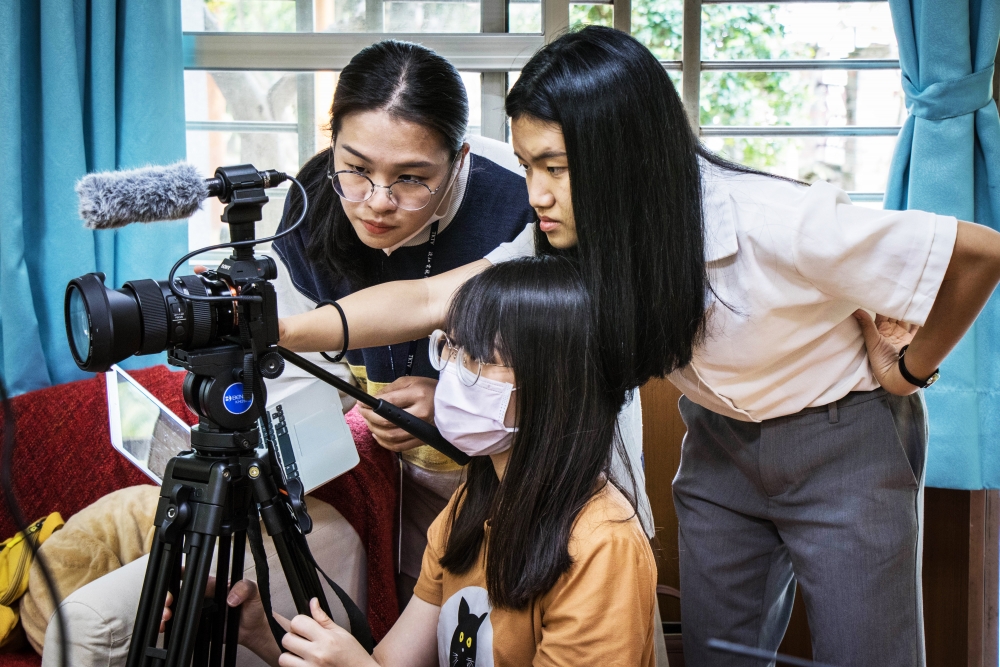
[
  {"x": 442, "y": 350},
  {"x": 406, "y": 194}
]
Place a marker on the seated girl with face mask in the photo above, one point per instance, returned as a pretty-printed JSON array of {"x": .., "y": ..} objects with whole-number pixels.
[{"x": 569, "y": 578}]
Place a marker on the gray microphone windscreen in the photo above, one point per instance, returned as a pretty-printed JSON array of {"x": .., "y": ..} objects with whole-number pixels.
[{"x": 114, "y": 199}]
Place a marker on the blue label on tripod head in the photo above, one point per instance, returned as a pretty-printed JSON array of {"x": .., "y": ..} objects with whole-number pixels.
[{"x": 233, "y": 399}]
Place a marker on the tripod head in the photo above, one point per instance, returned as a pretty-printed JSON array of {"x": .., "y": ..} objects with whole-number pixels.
[{"x": 224, "y": 386}]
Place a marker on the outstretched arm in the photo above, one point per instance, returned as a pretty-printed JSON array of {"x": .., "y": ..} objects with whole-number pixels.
[
  {"x": 972, "y": 275},
  {"x": 380, "y": 315}
]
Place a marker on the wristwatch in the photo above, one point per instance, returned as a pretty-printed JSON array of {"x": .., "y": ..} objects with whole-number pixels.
[{"x": 923, "y": 384}]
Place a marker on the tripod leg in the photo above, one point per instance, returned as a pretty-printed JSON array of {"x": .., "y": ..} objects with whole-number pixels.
[
  {"x": 302, "y": 580},
  {"x": 192, "y": 593},
  {"x": 221, "y": 608},
  {"x": 233, "y": 615},
  {"x": 154, "y": 592}
]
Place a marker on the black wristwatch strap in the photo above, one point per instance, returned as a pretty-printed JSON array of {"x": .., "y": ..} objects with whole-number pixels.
[{"x": 923, "y": 384}]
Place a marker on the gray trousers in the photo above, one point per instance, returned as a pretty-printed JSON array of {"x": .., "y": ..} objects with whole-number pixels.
[{"x": 830, "y": 497}]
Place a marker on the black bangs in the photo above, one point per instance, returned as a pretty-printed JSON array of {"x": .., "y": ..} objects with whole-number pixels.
[{"x": 536, "y": 302}]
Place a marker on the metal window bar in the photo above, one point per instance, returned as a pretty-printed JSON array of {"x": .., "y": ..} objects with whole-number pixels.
[
  {"x": 623, "y": 15},
  {"x": 780, "y": 65},
  {"x": 799, "y": 131},
  {"x": 691, "y": 61},
  {"x": 241, "y": 126},
  {"x": 305, "y": 89},
  {"x": 555, "y": 21},
  {"x": 304, "y": 52},
  {"x": 494, "y": 18}
]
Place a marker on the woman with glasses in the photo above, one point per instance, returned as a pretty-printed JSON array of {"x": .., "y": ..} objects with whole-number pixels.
[
  {"x": 401, "y": 193},
  {"x": 804, "y": 456},
  {"x": 532, "y": 562}
]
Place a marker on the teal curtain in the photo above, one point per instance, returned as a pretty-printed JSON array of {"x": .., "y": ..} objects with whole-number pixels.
[
  {"x": 947, "y": 160},
  {"x": 85, "y": 85}
]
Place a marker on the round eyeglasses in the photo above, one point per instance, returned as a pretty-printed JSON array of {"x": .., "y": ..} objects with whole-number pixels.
[
  {"x": 406, "y": 194},
  {"x": 442, "y": 350}
]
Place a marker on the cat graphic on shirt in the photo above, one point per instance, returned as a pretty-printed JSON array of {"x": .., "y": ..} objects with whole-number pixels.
[{"x": 464, "y": 640}]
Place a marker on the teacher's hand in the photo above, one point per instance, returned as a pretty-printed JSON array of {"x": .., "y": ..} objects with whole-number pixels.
[
  {"x": 411, "y": 393},
  {"x": 884, "y": 338}
]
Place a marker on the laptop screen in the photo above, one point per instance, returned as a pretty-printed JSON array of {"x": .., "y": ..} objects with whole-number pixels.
[
  {"x": 313, "y": 441},
  {"x": 149, "y": 433}
]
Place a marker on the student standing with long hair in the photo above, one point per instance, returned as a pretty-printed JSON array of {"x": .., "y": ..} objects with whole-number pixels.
[{"x": 807, "y": 434}]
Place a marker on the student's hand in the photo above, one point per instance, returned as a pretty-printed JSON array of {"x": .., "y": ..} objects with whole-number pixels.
[
  {"x": 413, "y": 394},
  {"x": 884, "y": 338},
  {"x": 319, "y": 642},
  {"x": 254, "y": 633}
]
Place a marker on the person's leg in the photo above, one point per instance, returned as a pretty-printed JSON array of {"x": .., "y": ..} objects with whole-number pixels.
[
  {"x": 101, "y": 615},
  {"x": 848, "y": 503},
  {"x": 99, "y": 618},
  {"x": 736, "y": 576}
]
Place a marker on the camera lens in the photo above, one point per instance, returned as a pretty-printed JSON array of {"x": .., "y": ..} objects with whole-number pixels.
[
  {"x": 105, "y": 326},
  {"x": 78, "y": 323}
]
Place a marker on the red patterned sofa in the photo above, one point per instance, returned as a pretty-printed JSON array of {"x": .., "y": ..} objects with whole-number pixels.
[{"x": 63, "y": 461}]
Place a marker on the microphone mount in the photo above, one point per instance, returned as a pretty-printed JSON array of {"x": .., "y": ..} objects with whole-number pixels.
[{"x": 230, "y": 180}]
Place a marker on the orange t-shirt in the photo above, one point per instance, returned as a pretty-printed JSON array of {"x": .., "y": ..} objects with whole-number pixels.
[{"x": 600, "y": 612}]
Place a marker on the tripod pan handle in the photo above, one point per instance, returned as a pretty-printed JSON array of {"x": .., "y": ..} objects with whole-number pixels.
[{"x": 421, "y": 430}]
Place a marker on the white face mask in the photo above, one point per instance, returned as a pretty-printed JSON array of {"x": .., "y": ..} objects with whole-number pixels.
[
  {"x": 439, "y": 213},
  {"x": 471, "y": 418}
]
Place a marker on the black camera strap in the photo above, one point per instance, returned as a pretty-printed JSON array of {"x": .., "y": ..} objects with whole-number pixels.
[
  {"x": 355, "y": 617},
  {"x": 256, "y": 541},
  {"x": 359, "y": 627}
]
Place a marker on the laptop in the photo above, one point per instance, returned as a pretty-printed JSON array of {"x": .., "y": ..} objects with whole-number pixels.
[{"x": 314, "y": 442}]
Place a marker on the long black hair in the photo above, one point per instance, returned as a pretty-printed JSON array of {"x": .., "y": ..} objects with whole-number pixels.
[
  {"x": 411, "y": 83},
  {"x": 636, "y": 192},
  {"x": 534, "y": 315}
]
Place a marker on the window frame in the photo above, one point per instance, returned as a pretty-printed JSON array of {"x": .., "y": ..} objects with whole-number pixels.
[{"x": 691, "y": 86}]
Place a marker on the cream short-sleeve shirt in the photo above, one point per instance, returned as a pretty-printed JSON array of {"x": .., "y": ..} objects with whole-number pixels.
[{"x": 788, "y": 264}]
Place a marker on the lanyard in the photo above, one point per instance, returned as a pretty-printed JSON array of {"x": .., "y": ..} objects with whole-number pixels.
[
  {"x": 412, "y": 352},
  {"x": 410, "y": 356}
]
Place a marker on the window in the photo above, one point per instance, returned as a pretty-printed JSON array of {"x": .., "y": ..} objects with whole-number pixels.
[{"x": 809, "y": 90}]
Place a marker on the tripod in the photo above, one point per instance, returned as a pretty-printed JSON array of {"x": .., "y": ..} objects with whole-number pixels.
[{"x": 215, "y": 492}]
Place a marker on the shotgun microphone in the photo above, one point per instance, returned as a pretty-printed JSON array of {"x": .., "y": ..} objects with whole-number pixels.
[{"x": 113, "y": 199}]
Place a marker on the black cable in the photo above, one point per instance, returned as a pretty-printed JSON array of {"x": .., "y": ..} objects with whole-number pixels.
[
  {"x": 234, "y": 245},
  {"x": 6, "y": 466}
]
